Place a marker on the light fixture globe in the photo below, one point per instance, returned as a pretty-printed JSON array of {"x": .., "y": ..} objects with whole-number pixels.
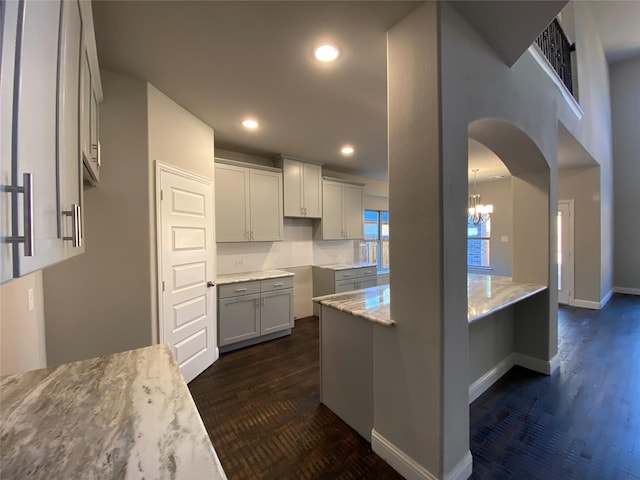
[{"x": 478, "y": 213}]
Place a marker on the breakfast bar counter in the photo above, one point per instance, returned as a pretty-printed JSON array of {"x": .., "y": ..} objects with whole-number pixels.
[{"x": 128, "y": 415}]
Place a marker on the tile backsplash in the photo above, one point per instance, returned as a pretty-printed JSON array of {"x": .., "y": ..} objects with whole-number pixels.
[{"x": 296, "y": 250}]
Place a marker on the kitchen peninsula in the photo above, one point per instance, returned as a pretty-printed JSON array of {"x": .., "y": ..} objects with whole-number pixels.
[
  {"x": 128, "y": 415},
  {"x": 347, "y": 323}
]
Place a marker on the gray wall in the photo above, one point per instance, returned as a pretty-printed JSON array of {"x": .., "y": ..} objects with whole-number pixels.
[
  {"x": 625, "y": 111},
  {"x": 100, "y": 302},
  {"x": 583, "y": 186}
]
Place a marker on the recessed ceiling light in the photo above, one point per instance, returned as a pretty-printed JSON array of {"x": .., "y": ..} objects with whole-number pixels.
[
  {"x": 249, "y": 123},
  {"x": 347, "y": 150},
  {"x": 327, "y": 53}
]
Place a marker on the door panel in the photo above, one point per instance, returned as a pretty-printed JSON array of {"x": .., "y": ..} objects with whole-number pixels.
[
  {"x": 266, "y": 205},
  {"x": 232, "y": 200},
  {"x": 239, "y": 318},
  {"x": 276, "y": 312},
  {"x": 293, "y": 191},
  {"x": 188, "y": 318},
  {"x": 332, "y": 225},
  {"x": 312, "y": 190},
  {"x": 353, "y": 212}
]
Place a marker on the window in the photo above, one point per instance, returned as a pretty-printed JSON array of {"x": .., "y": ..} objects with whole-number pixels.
[
  {"x": 479, "y": 244},
  {"x": 375, "y": 246}
]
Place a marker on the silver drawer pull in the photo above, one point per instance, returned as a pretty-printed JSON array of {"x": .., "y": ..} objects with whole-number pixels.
[
  {"x": 76, "y": 225},
  {"x": 27, "y": 214},
  {"x": 241, "y": 289},
  {"x": 347, "y": 274},
  {"x": 277, "y": 284}
]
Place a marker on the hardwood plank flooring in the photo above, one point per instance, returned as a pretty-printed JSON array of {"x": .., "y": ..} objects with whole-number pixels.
[{"x": 261, "y": 408}]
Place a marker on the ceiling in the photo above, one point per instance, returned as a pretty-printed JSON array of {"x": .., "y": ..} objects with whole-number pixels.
[
  {"x": 225, "y": 61},
  {"x": 618, "y": 24}
]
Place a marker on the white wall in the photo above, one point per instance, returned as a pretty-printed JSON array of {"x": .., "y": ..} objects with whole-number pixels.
[
  {"x": 22, "y": 333},
  {"x": 625, "y": 110}
]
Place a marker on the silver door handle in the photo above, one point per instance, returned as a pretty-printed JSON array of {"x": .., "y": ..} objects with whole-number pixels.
[
  {"x": 76, "y": 225},
  {"x": 210, "y": 284},
  {"x": 277, "y": 284},
  {"x": 27, "y": 215}
]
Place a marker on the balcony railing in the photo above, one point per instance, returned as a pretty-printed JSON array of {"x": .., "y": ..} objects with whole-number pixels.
[{"x": 556, "y": 47}]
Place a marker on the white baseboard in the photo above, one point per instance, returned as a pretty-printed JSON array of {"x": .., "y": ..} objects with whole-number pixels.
[
  {"x": 627, "y": 290},
  {"x": 481, "y": 385},
  {"x": 586, "y": 304},
  {"x": 400, "y": 461},
  {"x": 462, "y": 470},
  {"x": 546, "y": 367},
  {"x": 606, "y": 298}
]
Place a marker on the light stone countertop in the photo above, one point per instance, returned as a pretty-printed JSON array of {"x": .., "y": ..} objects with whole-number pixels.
[
  {"x": 486, "y": 294},
  {"x": 370, "y": 303},
  {"x": 128, "y": 415},
  {"x": 251, "y": 276},
  {"x": 346, "y": 266}
]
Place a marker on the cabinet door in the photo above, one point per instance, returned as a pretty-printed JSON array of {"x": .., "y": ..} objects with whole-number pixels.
[
  {"x": 332, "y": 227},
  {"x": 238, "y": 319},
  {"x": 366, "y": 283},
  {"x": 276, "y": 311},
  {"x": 85, "y": 109},
  {"x": 35, "y": 131},
  {"x": 353, "y": 212},
  {"x": 9, "y": 33},
  {"x": 266, "y": 205},
  {"x": 94, "y": 135},
  {"x": 312, "y": 190},
  {"x": 232, "y": 203},
  {"x": 293, "y": 180},
  {"x": 346, "y": 285},
  {"x": 69, "y": 156}
]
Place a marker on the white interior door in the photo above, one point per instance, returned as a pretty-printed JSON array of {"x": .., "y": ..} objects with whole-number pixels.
[
  {"x": 565, "y": 252},
  {"x": 186, "y": 251}
]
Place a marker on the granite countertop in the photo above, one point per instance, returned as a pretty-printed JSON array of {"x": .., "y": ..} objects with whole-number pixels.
[
  {"x": 490, "y": 293},
  {"x": 347, "y": 266},
  {"x": 370, "y": 303},
  {"x": 486, "y": 294},
  {"x": 128, "y": 415},
  {"x": 250, "y": 276}
]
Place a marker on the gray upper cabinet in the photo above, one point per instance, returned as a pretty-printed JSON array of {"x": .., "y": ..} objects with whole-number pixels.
[
  {"x": 302, "y": 188},
  {"x": 41, "y": 214},
  {"x": 248, "y": 203},
  {"x": 342, "y": 210}
]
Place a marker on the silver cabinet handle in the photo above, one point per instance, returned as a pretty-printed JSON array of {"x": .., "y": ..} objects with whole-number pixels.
[
  {"x": 277, "y": 284},
  {"x": 27, "y": 214},
  {"x": 253, "y": 234},
  {"x": 347, "y": 275},
  {"x": 76, "y": 225},
  {"x": 247, "y": 235},
  {"x": 241, "y": 289}
]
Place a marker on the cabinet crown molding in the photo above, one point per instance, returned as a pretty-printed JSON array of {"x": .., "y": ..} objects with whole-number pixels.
[
  {"x": 254, "y": 166},
  {"x": 342, "y": 180}
]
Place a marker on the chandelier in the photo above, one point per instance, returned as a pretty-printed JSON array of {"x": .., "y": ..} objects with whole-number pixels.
[{"x": 478, "y": 213}]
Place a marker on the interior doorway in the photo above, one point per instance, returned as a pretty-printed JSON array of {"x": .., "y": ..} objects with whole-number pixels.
[{"x": 565, "y": 252}]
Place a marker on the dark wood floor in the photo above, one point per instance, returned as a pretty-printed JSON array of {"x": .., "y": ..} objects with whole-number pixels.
[{"x": 261, "y": 408}]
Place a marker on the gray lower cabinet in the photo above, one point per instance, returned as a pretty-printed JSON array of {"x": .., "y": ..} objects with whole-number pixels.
[
  {"x": 355, "y": 284},
  {"x": 251, "y": 312}
]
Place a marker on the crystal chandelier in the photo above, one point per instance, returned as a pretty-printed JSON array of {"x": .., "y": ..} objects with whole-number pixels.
[{"x": 478, "y": 213}]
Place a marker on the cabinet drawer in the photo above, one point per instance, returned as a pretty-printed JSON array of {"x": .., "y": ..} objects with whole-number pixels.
[
  {"x": 235, "y": 289},
  {"x": 276, "y": 284},
  {"x": 355, "y": 273}
]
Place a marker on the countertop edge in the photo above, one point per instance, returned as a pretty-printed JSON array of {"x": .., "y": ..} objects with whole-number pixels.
[{"x": 473, "y": 320}]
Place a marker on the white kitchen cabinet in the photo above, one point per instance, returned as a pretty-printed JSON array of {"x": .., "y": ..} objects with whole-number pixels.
[
  {"x": 41, "y": 67},
  {"x": 328, "y": 280},
  {"x": 89, "y": 131},
  {"x": 238, "y": 319},
  {"x": 254, "y": 311},
  {"x": 7, "y": 66},
  {"x": 302, "y": 188},
  {"x": 248, "y": 203},
  {"x": 342, "y": 210},
  {"x": 69, "y": 156}
]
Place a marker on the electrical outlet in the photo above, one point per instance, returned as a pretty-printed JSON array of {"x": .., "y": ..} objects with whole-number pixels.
[
  {"x": 30, "y": 299},
  {"x": 504, "y": 238}
]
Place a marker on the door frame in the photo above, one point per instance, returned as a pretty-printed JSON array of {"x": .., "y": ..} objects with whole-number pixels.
[
  {"x": 570, "y": 265},
  {"x": 157, "y": 331}
]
